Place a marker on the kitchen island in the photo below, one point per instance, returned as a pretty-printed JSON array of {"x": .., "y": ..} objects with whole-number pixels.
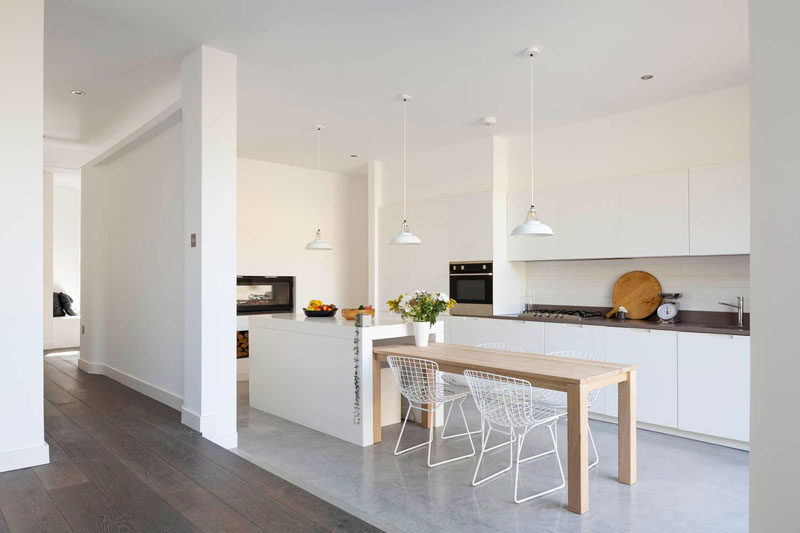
[{"x": 318, "y": 371}]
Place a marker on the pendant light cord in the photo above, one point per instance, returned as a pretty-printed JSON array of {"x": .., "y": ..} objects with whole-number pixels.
[
  {"x": 405, "y": 136},
  {"x": 532, "y": 58},
  {"x": 319, "y": 185}
]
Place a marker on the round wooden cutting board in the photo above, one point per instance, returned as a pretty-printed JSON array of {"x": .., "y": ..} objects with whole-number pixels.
[{"x": 639, "y": 292}]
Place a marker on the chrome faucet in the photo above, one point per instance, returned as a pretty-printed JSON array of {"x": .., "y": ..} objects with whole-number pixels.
[{"x": 739, "y": 308}]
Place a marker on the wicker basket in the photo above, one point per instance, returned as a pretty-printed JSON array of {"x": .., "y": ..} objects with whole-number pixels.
[{"x": 350, "y": 314}]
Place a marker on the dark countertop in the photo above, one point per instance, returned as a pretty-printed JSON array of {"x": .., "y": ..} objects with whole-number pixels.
[{"x": 692, "y": 321}]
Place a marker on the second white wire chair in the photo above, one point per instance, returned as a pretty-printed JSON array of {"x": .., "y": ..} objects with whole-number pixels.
[
  {"x": 558, "y": 400},
  {"x": 419, "y": 381},
  {"x": 459, "y": 381},
  {"x": 507, "y": 402}
]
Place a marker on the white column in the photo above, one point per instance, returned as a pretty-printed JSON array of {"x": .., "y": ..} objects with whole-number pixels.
[
  {"x": 774, "y": 264},
  {"x": 373, "y": 219},
  {"x": 209, "y": 132},
  {"x": 21, "y": 234},
  {"x": 509, "y": 278}
]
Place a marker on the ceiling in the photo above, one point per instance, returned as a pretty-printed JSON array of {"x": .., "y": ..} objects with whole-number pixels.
[{"x": 343, "y": 64}]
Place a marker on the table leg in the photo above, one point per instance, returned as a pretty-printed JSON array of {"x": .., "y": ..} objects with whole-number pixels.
[
  {"x": 577, "y": 449},
  {"x": 626, "y": 391},
  {"x": 376, "y": 401},
  {"x": 427, "y": 420}
]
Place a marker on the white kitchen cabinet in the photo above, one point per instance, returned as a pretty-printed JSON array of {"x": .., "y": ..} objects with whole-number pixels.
[
  {"x": 526, "y": 247},
  {"x": 587, "y": 220},
  {"x": 719, "y": 209},
  {"x": 714, "y": 384},
  {"x": 469, "y": 330},
  {"x": 430, "y": 260},
  {"x": 655, "y": 354},
  {"x": 471, "y": 227},
  {"x": 576, "y": 337},
  {"x": 394, "y": 261},
  {"x": 654, "y": 214},
  {"x": 526, "y": 334}
]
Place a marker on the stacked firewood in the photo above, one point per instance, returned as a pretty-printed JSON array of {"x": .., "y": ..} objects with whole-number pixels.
[{"x": 242, "y": 344}]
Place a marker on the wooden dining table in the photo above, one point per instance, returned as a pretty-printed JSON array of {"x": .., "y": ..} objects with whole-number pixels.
[{"x": 576, "y": 377}]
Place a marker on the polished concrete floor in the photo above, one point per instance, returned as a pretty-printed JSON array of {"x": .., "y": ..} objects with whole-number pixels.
[{"x": 684, "y": 485}]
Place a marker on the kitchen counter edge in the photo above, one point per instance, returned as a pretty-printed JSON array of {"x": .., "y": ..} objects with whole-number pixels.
[{"x": 688, "y": 327}]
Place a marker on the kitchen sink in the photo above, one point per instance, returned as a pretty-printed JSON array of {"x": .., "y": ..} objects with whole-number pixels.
[{"x": 721, "y": 326}]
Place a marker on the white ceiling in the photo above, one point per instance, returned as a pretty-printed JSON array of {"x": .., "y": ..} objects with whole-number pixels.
[{"x": 343, "y": 63}]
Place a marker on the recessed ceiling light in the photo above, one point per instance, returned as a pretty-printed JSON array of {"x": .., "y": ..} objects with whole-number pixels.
[
  {"x": 353, "y": 155},
  {"x": 79, "y": 92},
  {"x": 646, "y": 77}
]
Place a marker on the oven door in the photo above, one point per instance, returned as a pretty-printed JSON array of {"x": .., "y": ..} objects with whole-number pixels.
[{"x": 471, "y": 288}]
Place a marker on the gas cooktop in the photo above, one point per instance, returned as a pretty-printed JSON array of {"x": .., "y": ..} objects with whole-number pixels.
[{"x": 577, "y": 314}]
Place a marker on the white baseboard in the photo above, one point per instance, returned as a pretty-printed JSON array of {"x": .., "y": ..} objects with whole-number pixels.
[
  {"x": 25, "y": 457},
  {"x": 204, "y": 425},
  {"x": 191, "y": 419},
  {"x": 139, "y": 385},
  {"x": 711, "y": 439}
]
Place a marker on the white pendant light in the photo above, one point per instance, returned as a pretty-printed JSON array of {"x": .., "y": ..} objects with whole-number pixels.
[
  {"x": 532, "y": 226},
  {"x": 319, "y": 243},
  {"x": 405, "y": 236}
]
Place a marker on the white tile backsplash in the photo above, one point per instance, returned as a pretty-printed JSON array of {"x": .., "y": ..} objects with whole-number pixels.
[{"x": 703, "y": 281}]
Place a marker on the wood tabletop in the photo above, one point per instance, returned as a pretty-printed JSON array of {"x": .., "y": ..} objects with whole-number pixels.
[{"x": 531, "y": 366}]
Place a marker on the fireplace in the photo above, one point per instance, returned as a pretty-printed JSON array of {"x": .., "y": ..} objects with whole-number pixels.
[{"x": 264, "y": 294}]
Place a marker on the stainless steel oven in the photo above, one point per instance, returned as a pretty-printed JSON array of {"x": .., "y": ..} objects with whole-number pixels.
[{"x": 471, "y": 288}]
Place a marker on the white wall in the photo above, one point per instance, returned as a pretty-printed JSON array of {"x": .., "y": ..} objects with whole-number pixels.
[
  {"x": 132, "y": 265},
  {"x": 277, "y": 217},
  {"x": 701, "y": 130},
  {"x": 702, "y": 281},
  {"x": 67, "y": 235},
  {"x": 775, "y": 262},
  {"x": 450, "y": 170},
  {"x": 47, "y": 259},
  {"x": 21, "y": 238}
]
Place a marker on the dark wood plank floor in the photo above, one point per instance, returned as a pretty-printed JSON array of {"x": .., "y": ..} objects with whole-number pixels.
[{"x": 121, "y": 461}]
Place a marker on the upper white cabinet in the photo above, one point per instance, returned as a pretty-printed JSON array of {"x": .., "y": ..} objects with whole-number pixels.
[
  {"x": 714, "y": 384},
  {"x": 527, "y": 335},
  {"x": 719, "y": 209},
  {"x": 655, "y": 354},
  {"x": 587, "y": 220},
  {"x": 654, "y": 214},
  {"x": 430, "y": 260},
  {"x": 471, "y": 227},
  {"x": 525, "y": 247}
]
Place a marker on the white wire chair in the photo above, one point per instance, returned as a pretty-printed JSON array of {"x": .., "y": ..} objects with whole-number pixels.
[
  {"x": 419, "y": 381},
  {"x": 512, "y": 403},
  {"x": 558, "y": 400},
  {"x": 459, "y": 381}
]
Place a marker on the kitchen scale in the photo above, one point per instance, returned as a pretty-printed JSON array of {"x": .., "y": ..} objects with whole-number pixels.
[{"x": 668, "y": 310}]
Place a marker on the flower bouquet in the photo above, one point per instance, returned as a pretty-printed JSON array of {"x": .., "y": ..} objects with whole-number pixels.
[{"x": 422, "y": 307}]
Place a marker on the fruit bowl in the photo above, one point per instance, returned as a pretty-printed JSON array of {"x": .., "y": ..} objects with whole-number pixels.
[{"x": 329, "y": 312}]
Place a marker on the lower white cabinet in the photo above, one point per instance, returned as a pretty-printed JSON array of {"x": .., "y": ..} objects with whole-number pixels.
[
  {"x": 696, "y": 382},
  {"x": 655, "y": 355},
  {"x": 468, "y": 330},
  {"x": 528, "y": 335},
  {"x": 714, "y": 384},
  {"x": 577, "y": 337}
]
